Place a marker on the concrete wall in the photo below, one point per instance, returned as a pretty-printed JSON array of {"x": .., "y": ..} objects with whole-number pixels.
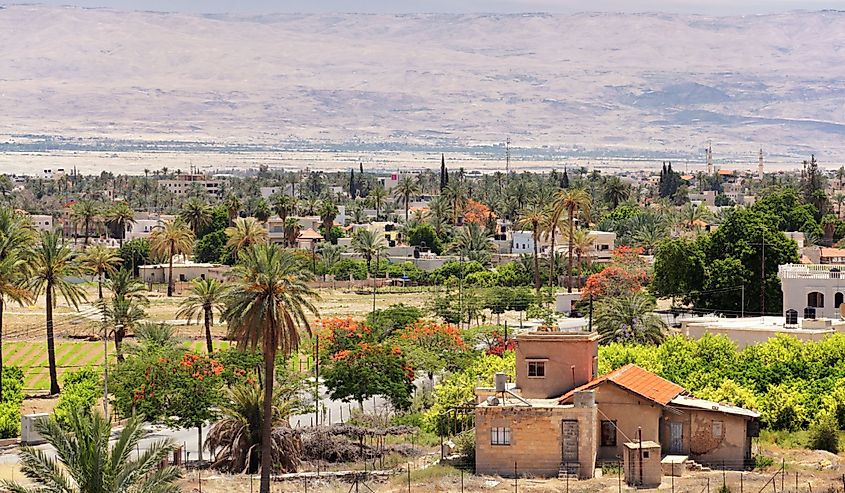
[
  {"x": 181, "y": 273},
  {"x": 630, "y": 412},
  {"x": 731, "y": 447},
  {"x": 560, "y": 352},
  {"x": 536, "y": 446},
  {"x": 748, "y": 336}
]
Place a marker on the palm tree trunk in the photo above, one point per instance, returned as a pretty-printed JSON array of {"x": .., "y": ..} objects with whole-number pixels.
[
  {"x": 1, "y": 349},
  {"x": 406, "y": 211},
  {"x": 170, "y": 274},
  {"x": 119, "y": 334},
  {"x": 51, "y": 343},
  {"x": 86, "y": 232},
  {"x": 100, "y": 285},
  {"x": 552, "y": 258},
  {"x": 208, "y": 344},
  {"x": 569, "y": 269},
  {"x": 536, "y": 260},
  {"x": 267, "y": 421},
  {"x": 199, "y": 441}
]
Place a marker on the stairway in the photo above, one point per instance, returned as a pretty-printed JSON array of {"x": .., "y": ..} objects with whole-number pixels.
[
  {"x": 695, "y": 466},
  {"x": 568, "y": 472}
]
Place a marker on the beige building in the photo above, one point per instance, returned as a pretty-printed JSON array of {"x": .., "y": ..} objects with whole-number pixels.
[
  {"x": 753, "y": 330},
  {"x": 184, "y": 183},
  {"x": 561, "y": 418},
  {"x": 183, "y": 272}
]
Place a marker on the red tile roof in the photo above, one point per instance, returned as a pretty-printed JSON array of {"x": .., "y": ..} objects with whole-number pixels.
[
  {"x": 832, "y": 252},
  {"x": 637, "y": 380}
]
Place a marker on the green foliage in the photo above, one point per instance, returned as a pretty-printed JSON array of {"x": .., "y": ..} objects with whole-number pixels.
[
  {"x": 10, "y": 407},
  {"x": 762, "y": 462},
  {"x": 366, "y": 370},
  {"x": 424, "y": 234},
  {"x": 392, "y": 318},
  {"x": 345, "y": 268},
  {"x": 452, "y": 271},
  {"x": 787, "y": 209},
  {"x": 80, "y": 390},
  {"x": 212, "y": 248},
  {"x": 824, "y": 433},
  {"x": 134, "y": 253}
]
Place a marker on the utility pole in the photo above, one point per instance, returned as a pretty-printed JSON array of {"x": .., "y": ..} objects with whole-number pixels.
[
  {"x": 461, "y": 294},
  {"x": 742, "y": 303},
  {"x": 507, "y": 156}
]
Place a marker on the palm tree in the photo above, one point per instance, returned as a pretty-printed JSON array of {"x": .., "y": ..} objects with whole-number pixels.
[
  {"x": 196, "y": 213},
  {"x": 330, "y": 254},
  {"x": 572, "y": 201},
  {"x": 377, "y": 197},
  {"x": 839, "y": 199},
  {"x": 284, "y": 206},
  {"x": 15, "y": 237},
  {"x": 100, "y": 260},
  {"x": 52, "y": 264},
  {"x": 267, "y": 306},
  {"x": 532, "y": 219},
  {"x": 171, "y": 239},
  {"x": 207, "y": 295},
  {"x": 583, "y": 245},
  {"x": 616, "y": 191},
  {"x": 440, "y": 210},
  {"x": 647, "y": 232},
  {"x": 233, "y": 207},
  {"x": 328, "y": 211},
  {"x": 261, "y": 210},
  {"x": 84, "y": 212},
  {"x": 457, "y": 194},
  {"x": 123, "y": 284},
  {"x": 629, "y": 319},
  {"x": 368, "y": 244},
  {"x": 246, "y": 231},
  {"x": 237, "y": 436},
  {"x": 405, "y": 189},
  {"x": 122, "y": 314},
  {"x": 118, "y": 217},
  {"x": 84, "y": 462},
  {"x": 474, "y": 243}
]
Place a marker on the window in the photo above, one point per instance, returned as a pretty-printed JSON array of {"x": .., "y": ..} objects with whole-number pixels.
[
  {"x": 500, "y": 436},
  {"x": 536, "y": 369},
  {"x": 608, "y": 433},
  {"x": 717, "y": 429},
  {"x": 837, "y": 300},
  {"x": 645, "y": 454},
  {"x": 815, "y": 300}
]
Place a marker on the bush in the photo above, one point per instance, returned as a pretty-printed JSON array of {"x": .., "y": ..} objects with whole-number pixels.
[
  {"x": 392, "y": 318},
  {"x": 10, "y": 420},
  {"x": 10, "y": 407},
  {"x": 762, "y": 462},
  {"x": 824, "y": 434},
  {"x": 81, "y": 388},
  {"x": 465, "y": 445}
]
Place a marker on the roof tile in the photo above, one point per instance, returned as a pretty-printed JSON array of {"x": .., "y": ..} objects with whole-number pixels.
[{"x": 637, "y": 380}]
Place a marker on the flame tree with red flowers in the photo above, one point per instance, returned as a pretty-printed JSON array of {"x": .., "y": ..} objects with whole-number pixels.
[{"x": 432, "y": 347}]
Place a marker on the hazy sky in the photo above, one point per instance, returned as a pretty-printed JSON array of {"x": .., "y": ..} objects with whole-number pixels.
[{"x": 717, "y": 7}]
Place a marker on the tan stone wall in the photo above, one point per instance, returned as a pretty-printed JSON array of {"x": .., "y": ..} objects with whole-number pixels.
[
  {"x": 562, "y": 352},
  {"x": 630, "y": 413},
  {"x": 536, "y": 445},
  {"x": 732, "y": 447}
]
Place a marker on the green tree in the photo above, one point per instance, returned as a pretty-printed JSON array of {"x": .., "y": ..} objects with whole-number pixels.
[
  {"x": 84, "y": 212},
  {"x": 245, "y": 233},
  {"x": 533, "y": 219},
  {"x": 196, "y": 214},
  {"x": 405, "y": 189},
  {"x": 212, "y": 248},
  {"x": 206, "y": 297},
  {"x": 616, "y": 191},
  {"x": 266, "y": 306},
  {"x": 52, "y": 265},
  {"x": 134, "y": 253},
  {"x": 118, "y": 217},
  {"x": 85, "y": 462},
  {"x": 474, "y": 243},
  {"x": 171, "y": 239},
  {"x": 629, "y": 318},
  {"x": 425, "y": 235},
  {"x": 377, "y": 197},
  {"x": 573, "y": 202},
  {"x": 368, "y": 244},
  {"x": 366, "y": 370},
  {"x": 100, "y": 260}
]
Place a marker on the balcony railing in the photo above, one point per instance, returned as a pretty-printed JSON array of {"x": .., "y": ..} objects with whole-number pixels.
[{"x": 810, "y": 271}]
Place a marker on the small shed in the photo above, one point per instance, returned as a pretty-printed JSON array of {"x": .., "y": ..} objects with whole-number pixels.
[{"x": 642, "y": 464}]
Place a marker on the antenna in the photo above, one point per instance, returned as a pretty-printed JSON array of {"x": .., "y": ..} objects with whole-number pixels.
[{"x": 507, "y": 156}]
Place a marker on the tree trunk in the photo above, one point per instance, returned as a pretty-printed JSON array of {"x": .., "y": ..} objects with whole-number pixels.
[
  {"x": 100, "y": 285},
  {"x": 199, "y": 442},
  {"x": 51, "y": 343},
  {"x": 536, "y": 260},
  {"x": 1, "y": 348},
  {"x": 119, "y": 334},
  {"x": 267, "y": 421},
  {"x": 86, "y": 232},
  {"x": 569, "y": 269},
  {"x": 552, "y": 258},
  {"x": 208, "y": 343},
  {"x": 170, "y": 274}
]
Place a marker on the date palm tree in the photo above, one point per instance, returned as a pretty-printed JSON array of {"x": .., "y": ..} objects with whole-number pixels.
[
  {"x": 84, "y": 462},
  {"x": 196, "y": 213},
  {"x": 474, "y": 243},
  {"x": 206, "y": 297},
  {"x": 377, "y": 197},
  {"x": 629, "y": 319},
  {"x": 233, "y": 207},
  {"x": 246, "y": 231},
  {"x": 616, "y": 191},
  {"x": 84, "y": 212},
  {"x": 100, "y": 260},
  {"x": 52, "y": 264},
  {"x": 171, "y": 239},
  {"x": 15, "y": 237},
  {"x": 583, "y": 244},
  {"x": 572, "y": 202},
  {"x": 532, "y": 218},
  {"x": 405, "y": 189},
  {"x": 440, "y": 210},
  {"x": 328, "y": 211},
  {"x": 330, "y": 254},
  {"x": 368, "y": 244},
  {"x": 457, "y": 194},
  {"x": 118, "y": 217},
  {"x": 267, "y": 307},
  {"x": 284, "y": 206},
  {"x": 122, "y": 314}
]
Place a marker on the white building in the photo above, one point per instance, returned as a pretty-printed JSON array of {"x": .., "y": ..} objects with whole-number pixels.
[
  {"x": 41, "y": 222},
  {"x": 144, "y": 225},
  {"x": 812, "y": 291},
  {"x": 754, "y": 330},
  {"x": 183, "y": 184},
  {"x": 267, "y": 192},
  {"x": 522, "y": 242}
]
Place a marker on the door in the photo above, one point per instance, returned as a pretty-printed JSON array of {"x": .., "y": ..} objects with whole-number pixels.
[
  {"x": 676, "y": 438},
  {"x": 569, "y": 442}
]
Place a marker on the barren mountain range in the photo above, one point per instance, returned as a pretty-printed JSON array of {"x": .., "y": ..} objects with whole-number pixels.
[{"x": 585, "y": 85}]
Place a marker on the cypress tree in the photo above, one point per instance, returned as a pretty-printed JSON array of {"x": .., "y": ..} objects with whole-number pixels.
[
  {"x": 444, "y": 174},
  {"x": 564, "y": 181},
  {"x": 352, "y": 190}
]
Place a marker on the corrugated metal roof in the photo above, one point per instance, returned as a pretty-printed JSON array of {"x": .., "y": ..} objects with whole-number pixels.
[
  {"x": 637, "y": 380},
  {"x": 694, "y": 402}
]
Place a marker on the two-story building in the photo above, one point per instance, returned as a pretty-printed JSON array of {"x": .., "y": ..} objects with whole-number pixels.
[
  {"x": 812, "y": 291},
  {"x": 560, "y": 416}
]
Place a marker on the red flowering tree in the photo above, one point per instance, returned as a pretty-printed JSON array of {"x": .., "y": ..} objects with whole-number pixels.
[
  {"x": 476, "y": 212},
  {"x": 626, "y": 274},
  {"x": 499, "y": 345},
  {"x": 432, "y": 347}
]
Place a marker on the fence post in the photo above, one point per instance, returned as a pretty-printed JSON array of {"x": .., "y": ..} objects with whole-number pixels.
[
  {"x": 796, "y": 481},
  {"x": 724, "y": 476},
  {"x": 708, "y": 485},
  {"x": 515, "y": 478},
  {"x": 673, "y": 476},
  {"x": 741, "y": 473},
  {"x": 619, "y": 475},
  {"x": 782, "y": 474},
  {"x": 409, "y": 477}
]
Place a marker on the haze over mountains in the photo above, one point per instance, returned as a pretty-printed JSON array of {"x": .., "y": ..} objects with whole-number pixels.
[{"x": 585, "y": 85}]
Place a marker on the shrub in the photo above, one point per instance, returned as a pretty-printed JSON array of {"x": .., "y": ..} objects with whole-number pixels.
[
  {"x": 81, "y": 388},
  {"x": 762, "y": 462},
  {"x": 824, "y": 434},
  {"x": 392, "y": 318},
  {"x": 10, "y": 420},
  {"x": 465, "y": 445}
]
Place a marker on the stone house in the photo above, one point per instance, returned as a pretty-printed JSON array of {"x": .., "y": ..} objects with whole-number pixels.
[{"x": 561, "y": 417}]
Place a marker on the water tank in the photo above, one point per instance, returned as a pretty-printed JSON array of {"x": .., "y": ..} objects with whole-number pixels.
[
  {"x": 501, "y": 382},
  {"x": 584, "y": 398},
  {"x": 492, "y": 400},
  {"x": 29, "y": 436}
]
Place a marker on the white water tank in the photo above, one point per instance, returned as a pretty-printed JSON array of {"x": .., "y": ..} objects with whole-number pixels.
[{"x": 29, "y": 435}]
